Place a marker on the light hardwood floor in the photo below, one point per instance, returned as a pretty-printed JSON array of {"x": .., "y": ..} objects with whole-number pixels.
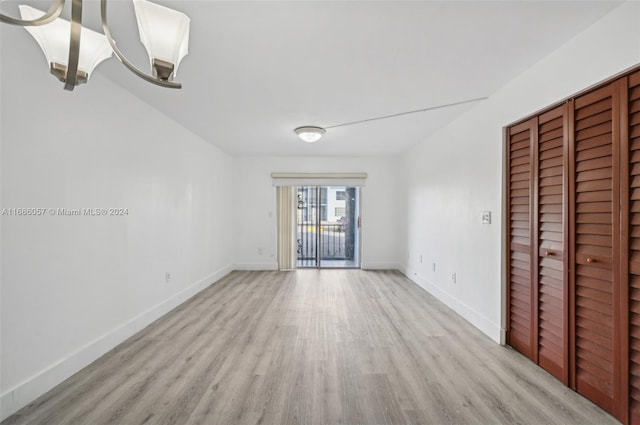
[{"x": 324, "y": 347}]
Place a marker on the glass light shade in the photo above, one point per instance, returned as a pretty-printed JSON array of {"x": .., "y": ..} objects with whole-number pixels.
[
  {"x": 163, "y": 31},
  {"x": 53, "y": 39},
  {"x": 309, "y": 134}
]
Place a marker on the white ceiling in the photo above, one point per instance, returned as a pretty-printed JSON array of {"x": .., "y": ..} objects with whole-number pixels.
[{"x": 256, "y": 70}]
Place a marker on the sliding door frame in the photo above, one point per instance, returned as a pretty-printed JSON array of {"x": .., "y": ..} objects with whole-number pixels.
[{"x": 318, "y": 226}]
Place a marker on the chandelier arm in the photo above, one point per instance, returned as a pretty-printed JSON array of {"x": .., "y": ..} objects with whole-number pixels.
[
  {"x": 54, "y": 11},
  {"x": 125, "y": 61},
  {"x": 74, "y": 45}
]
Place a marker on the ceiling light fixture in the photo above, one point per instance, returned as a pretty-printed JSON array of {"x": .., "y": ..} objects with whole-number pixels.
[
  {"x": 309, "y": 133},
  {"x": 312, "y": 133},
  {"x": 164, "y": 33}
]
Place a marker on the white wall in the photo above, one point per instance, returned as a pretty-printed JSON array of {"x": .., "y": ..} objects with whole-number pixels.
[
  {"x": 255, "y": 211},
  {"x": 74, "y": 287},
  {"x": 456, "y": 173}
]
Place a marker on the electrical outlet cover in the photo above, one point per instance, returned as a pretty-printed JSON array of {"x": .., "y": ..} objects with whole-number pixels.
[{"x": 486, "y": 217}]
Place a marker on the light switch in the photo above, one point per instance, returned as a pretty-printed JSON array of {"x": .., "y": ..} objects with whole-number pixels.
[{"x": 486, "y": 217}]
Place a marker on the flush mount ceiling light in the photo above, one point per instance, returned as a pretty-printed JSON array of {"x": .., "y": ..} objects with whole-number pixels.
[
  {"x": 311, "y": 133},
  {"x": 164, "y": 33}
]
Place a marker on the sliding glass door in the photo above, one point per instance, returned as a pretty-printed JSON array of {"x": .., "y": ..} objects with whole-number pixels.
[{"x": 328, "y": 226}]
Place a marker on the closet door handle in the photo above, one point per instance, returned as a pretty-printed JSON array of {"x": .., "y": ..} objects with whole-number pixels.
[
  {"x": 591, "y": 260},
  {"x": 548, "y": 253}
]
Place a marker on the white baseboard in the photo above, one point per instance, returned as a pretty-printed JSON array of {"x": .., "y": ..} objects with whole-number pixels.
[
  {"x": 24, "y": 393},
  {"x": 256, "y": 266},
  {"x": 379, "y": 266},
  {"x": 478, "y": 320}
]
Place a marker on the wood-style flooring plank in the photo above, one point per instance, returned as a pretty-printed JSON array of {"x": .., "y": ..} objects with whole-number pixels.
[{"x": 323, "y": 347}]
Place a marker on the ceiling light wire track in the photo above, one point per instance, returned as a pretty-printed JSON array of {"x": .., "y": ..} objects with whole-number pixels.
[{"x": 407, "y": 113}]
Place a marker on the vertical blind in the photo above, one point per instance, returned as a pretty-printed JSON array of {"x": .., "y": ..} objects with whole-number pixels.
[{"x": 286, "y": 228}]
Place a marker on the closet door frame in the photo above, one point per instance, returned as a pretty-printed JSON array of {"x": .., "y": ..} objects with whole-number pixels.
[
  {"x": 628, "y": 267},
  {"x": 621, "y": 274},
  {"x": 571, "y": 245},
  {"x": 567, "y": 210}
]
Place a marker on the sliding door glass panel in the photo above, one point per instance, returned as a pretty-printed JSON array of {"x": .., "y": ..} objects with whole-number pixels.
[
  {"x": 306, "y": 235},
  {"x": 328, "y": 231}
]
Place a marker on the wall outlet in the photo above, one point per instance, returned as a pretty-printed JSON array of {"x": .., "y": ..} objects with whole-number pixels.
[
  {"x": 421, "y": 259},
  {"x": 260, "y": 251},
  {"x": 486, "y": 217},
  {"x": 453, "y": 278},
  {"x": 167, "y": 276},
  {"x": 433, "y": 267}
]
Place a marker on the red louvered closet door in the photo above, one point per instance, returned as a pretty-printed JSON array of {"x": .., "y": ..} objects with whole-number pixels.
[
  {"x": 537, "y": 263},
  {"x": 573, "y": 253},
  {"x": 596, "y": 350},
  {"x": 520, "y": 334},
  {"x": 633, "y": 95},
  {"x": 552, "y": 319}
]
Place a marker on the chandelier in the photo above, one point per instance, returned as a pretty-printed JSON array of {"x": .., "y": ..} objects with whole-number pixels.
[{"x": 164, "y": 33}]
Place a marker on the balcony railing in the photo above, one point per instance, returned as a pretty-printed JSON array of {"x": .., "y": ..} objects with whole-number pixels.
[{"x": 332, "y": 241}]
